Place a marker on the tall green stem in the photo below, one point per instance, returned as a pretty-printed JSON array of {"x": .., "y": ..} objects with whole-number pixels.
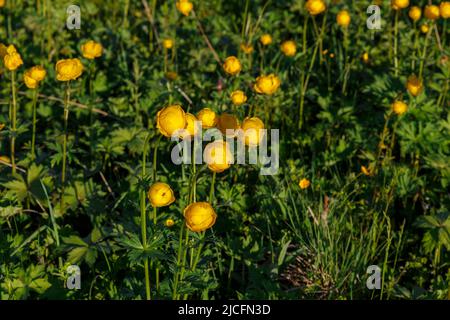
[
  {"x": 396, "y": 43},
  {"x": 144, "y": 219},
  {"x": 13, "y": 122},
  {"x": 66, "y": 121},
  {"x": 211, "y": 191},
  {"x": 424, "y": 52},
  {"x": 33, "y": 136}
]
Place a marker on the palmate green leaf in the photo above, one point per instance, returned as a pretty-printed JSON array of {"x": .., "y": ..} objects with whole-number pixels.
[{"x": 136, "y": 251}]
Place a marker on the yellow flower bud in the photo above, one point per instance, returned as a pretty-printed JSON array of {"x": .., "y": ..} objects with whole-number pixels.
[
  {"x": 343, "y": 18},
  {"x": 444, "y": 9},
  {"x": 365, "y": 171},
  {"x": 399, "y": 4},
  {"x": 238, "y": 97},
  {"x": 365, "y": 57},
  {"x": 5, "y": 159},
  {"x": 218, "y": 156},
  {"x": 2, "y": 126},
  {"x": 414, "y": 85},
  {"x": 12, "y": 59},
  {"x": 415, "y": 13},
  {"x": 169, "y": 223},
  {"x": 190, "y": 130},
  {"x": 227, "y": 121},
  {"x": 315, "y": 7},
  {"x": 432, "y": 12},
  {"x": 304, "y": 183},
  {"x": 207, "y": 117},
  {"x": 246, "y": 48},
  {"x": 399, "y": 107},
  {"x": 267, "y": 84},
  {"x": 2, "y": 3},
  {"x": 160, "y": 195},
  {"x": 167, "y": 43},
  {"x": 171, "y": 119},
  {"x": 33, "y": 76},
  {"x": 266, "y": 39},
  {"x": 252, "y": 134},
  {"x": 184, "y": 6},
  {"x": 68, "y": 69},
  {"x": 232, "y": 65},
  {"x": 289, "y": 48},
  {"x": 199, "y": 216},
  {"x": 171, "y": 75},
  {"x": 424, "y": 28},
  {"x": 92, "y": 50}
]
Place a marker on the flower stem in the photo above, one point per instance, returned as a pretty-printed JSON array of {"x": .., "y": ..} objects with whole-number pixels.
[
  {"x": 144, "y": 219},
  {"x": 33, "y": 137},
  {"x": 211, "y": 191},
  {"x": 13, "y": 122},
  {"x": 66, "y": 121},
  {"x": 396, "y": 43},
  {"x": 424, "y": 53}
]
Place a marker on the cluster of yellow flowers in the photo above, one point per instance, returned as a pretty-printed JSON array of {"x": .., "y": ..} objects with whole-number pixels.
[{"x": 431, "y": 12}]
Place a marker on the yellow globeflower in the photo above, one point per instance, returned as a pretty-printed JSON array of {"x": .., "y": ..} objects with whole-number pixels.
[
  {"x": 184, "y": 6},
  {"x": 315, "y": 7},
  {"x": 2, "y": 3},
  {"x": 289, "y": 48},
  {"x": 252, "y": 131},
  {"x": 415, "y": 13},
  {"x": 424, "y": 28},
  {"x": 169, "y": 223},
  {"x": 432, "y": 12},
  {"x": 227, "y": 121},
  {"x": 92, "y": 50},
  {"x": 12, "y": 59},
  {"x": 171, "y": 75},
  {"x": 304, "y": 183},
  {"x": 267, "y": 84},
  {"x": 2, "y": 125},
  {"x": 33, "y": 76},
  {"x": 365, "y": 57},
  {"x": 218, "y": 156},
  {"x": 246, "y": 48},
  {"x": 444, "y": 9},
  {"x": 232, "y": 65},
  {"x": 167, "y": 43},
  {"x": 207, "y": 117},
  {"x": 343, "y": 18},
  {"x": 399, "y": 107},
  {"x": 191, "y": 129},
  {"x": 68, "y": 69},
  {"x": 199, "y": 216},
  {"x": 414, "y": 85},
  {"x": 399, "y": 4},
  {"x": 365, "y": 171},
  {"x": 160, "y": 195},
  {"x": 171, "y": 119},
  {"x": 238, "y": 97},
  {"x": 266, "y": 39}
]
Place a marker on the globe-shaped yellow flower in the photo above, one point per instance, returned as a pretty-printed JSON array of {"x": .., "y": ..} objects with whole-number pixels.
[
  {"x": 169, "y": 223},
  {"x": 2, "y": 3},
  {"x": 227, "y": 121},
  {"x": 343, "y": 18},
  {"x": 207, "y": 117},
  {"x": 199, "y": 216},
  {"x": 315, "y": 7},
  {"x": 253, "y": 133},
  {"x": 184, "y": 6},
  {"x": 218, "y": 156},
  {"x": 424, "y": 28},
  {"x": 232, "y": 65},
  {"x": 92, "y": 50},
  {"x": 33, "y": 76},
  {"x": 304, "y": 183},
  {"x": 414, "y": 85},
  {"x": 289, "y": 48},
  {"x": 12, "y": 59},
  {"x": 171, "y": 120},
  {"x": 431, "y": 12},
  {"x": 399, "y": 107},
  {"x": 399, "y": 4},
  {"x": 444, "y": 9},
  {"x": 266, "y": 39},
  {"x": 267, "y": 84},
  {"x": 238, "y": 97},
  {"x": 167, "y": 43},
  {"x": 415, "y": 13},
  {"x": 160, "y": 195},
  {"x": 246, "y": 48},
  {"x": 191, "y": 130},
  {"x": 68, "y": 69}
]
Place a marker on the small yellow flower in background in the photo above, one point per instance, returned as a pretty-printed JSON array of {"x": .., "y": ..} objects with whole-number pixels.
[
  {"x": 169, "y": 223},
  {"x": 424, "y": 28},
  {"x": 399, "y": 4},
  {"x": 191, "y": 129},
  {"x": 414, "y": 85},
  {"x": 304, "y": 183},
  {"x": 207, "y": 117},
  {"x": 171, "y": 119},
  {"x": 92, "y": 50},
  {"x": 415, "y": 13},
  {"x": 331, "y": 55},
  {"x": 184, "y": 6},
  {"x": 160, "y": 195},
  {"x": 167, "y": 43},
  {"x": 2, "y": 125},
  {"x": 3, "y": 50},
  {"x": 315, "y": 7},
  {"x": 238, "y": 97},
  {"x": 227, "y": 121},
  {"x": 232, "y": 65},
  {"x": 267, "y": 84},
  {"x": 431, "y": 12},
  {"x": 171, "y": 75},
  {"x": 246, "y": 48},
  {"x": 33, "y": 76},
  {"x": 365, "y": 171},
  {"x": 266, "y": 39},
  {"x": 289, "y": 48},
  {"x": 199, "y": 216},
  {"x": 68, "y": 69},
  {"x": 252, "y": 134},
  {"x": 444, "y": 9},
  {"x": 399, "y": 107},
  {"x": 218, "y": 156},
  {"x": 5, "y": 159},
  {"x": 343, "y": 18},
  {"x": 2, "y": 3},
  {"x": 365, "y": 57},
  {"x": 325, "y": 52},
  {"x": 12, "y": 59}
]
